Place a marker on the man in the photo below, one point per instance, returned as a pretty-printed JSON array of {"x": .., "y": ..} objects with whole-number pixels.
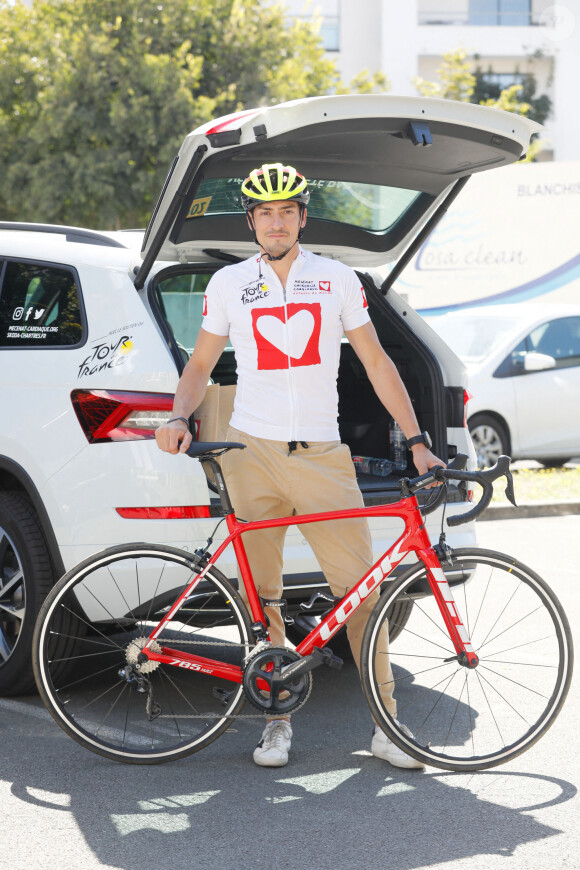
[{"x": 285, "y": 311}]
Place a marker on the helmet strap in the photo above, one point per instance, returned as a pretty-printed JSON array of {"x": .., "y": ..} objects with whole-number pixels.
[
  {"x": 281, "y": 256},
  {"x": 252, "y": 227}
]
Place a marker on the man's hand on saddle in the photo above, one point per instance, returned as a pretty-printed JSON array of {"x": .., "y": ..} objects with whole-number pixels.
[{"x": 173, "y": 437}]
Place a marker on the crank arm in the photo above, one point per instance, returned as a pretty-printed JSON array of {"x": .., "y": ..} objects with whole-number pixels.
[{"x": 317, "y": 657}]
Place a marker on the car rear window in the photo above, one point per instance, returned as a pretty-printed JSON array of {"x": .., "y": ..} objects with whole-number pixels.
[
  {"x": 180, "y": 297},
  {"x": 39, "y": 306},
  {"x": 371, "y": 207},
  {"x": 473, "y": 338}
]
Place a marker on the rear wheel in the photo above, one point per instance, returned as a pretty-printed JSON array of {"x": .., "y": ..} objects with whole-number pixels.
[
  {"x": 472, "y": 719},
  {"x": 92, "y": 627}
]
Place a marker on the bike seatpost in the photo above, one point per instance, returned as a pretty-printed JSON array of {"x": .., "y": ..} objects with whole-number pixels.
[
  {"x": 219, "y": 481},
  {"x": 206, "y": 452}
]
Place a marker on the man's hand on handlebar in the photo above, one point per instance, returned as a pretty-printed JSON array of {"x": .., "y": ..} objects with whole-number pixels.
[
  {"x": 173, "y": 437},
  {"x": 455, "y": 471},
  {"x": 424, "y": 461}
]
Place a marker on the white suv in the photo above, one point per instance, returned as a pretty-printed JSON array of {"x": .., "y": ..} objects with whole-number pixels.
[{"x": 95, "y": 329}]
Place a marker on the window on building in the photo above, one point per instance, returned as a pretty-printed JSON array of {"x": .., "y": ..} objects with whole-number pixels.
[
  {"x": 510, "y": 13},
  {"x": 329, "y": 12},
  {"x": 39, "y": 306},
  {"x": 503, "y": 80}
]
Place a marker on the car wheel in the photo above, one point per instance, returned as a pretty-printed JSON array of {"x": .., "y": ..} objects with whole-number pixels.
[
  {"x": 490, "y": 439},
  {"x": 26, "y": 576}
]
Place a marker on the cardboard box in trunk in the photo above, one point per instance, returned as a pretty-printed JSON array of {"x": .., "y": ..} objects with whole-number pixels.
[{"x": 213, "y": 415}]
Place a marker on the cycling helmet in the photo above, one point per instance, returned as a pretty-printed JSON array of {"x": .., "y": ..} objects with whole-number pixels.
[{"x": 272, "y": 182}]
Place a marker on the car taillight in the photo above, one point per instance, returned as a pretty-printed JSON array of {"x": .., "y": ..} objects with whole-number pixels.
[
  {"x": 119, "y": 415},
  {"x": 173, "y": 512},
  {"x": 466, "y": 397}
]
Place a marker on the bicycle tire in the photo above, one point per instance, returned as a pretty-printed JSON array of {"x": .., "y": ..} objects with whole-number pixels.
[
  {"x": 81, "y": 642},
  {"x": 464, "y": 719}
]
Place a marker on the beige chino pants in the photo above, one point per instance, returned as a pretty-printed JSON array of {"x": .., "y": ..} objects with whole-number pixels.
[{"x": 266, "y": 481}]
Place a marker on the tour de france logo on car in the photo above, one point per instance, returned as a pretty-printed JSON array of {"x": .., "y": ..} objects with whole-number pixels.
[{"x": 287, "y": 336}]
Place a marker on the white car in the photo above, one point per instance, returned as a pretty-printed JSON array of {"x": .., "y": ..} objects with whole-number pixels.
[
  {"x": 524, "y": 378},
  {"x": 95, "y": 329}
]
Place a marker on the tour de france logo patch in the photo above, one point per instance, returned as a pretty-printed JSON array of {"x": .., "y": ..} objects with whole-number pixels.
[{"x": 254, "y": 291}]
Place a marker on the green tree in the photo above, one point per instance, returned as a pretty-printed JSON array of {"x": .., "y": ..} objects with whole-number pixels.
[
  {"x": 456, "y": 81},
  {"x": 539, "y": 106},
  {"x": 96, "y": 95}
]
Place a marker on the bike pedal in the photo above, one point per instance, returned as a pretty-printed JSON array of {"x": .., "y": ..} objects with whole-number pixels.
[
  {"x": 222, "y": 695},
  {"x": 330, "y": 660}
]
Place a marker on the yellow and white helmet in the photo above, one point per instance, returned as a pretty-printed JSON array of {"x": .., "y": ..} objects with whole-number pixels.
[{"x": 274, "y": 182}]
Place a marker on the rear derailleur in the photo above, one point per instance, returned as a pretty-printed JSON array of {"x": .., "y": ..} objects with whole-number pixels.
[{"x": 141, "y": 684}]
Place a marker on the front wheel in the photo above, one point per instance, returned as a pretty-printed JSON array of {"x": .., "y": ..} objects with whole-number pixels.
[
  {"x": 461, "y": 719},
  {"x": 93, "y": 625}
]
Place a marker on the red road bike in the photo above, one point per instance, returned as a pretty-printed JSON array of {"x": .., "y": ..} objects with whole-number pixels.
[{"x": 145, "y": 653}]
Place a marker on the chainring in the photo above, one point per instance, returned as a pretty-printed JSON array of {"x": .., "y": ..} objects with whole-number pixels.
[{"x": 262, "y": 681}]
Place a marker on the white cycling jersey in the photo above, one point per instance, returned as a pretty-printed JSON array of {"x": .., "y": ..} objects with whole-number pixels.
[{"x": 286, "y": 341}]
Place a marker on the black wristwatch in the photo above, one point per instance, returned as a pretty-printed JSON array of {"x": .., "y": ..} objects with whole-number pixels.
[{"x": 423, "y": 438}]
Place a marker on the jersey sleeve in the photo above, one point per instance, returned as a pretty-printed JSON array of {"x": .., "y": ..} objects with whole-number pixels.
[
  {"x": 215, "y": 319},
  {"x": 355, "y": 308}
]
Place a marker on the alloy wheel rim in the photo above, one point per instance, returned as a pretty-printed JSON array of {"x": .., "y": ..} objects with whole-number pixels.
[{"x": 12, "y": 596}]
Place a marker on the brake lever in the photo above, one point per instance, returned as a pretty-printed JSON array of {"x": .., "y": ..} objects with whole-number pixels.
[
  {"x": 503, "y": 470},
  {"x": 509, "y": 490}
]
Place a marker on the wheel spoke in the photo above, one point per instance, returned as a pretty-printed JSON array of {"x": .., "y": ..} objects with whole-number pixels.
[
  {"x": 5, "y": 647},
  {"x": 9, "y": 586}
]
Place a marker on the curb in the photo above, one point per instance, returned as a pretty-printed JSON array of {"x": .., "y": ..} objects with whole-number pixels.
[{"x": 532, "y": 510}]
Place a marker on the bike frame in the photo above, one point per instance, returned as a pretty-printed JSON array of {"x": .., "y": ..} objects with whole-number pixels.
[{"x": 414, "y": 538}]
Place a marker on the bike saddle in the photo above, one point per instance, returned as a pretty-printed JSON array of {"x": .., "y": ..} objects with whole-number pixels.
[{"x": 211, "y": 448}]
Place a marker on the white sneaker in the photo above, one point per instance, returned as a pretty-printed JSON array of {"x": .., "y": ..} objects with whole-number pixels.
[
  {"x": 273, "y": 748},
  {"x": 384, "y": 748}
]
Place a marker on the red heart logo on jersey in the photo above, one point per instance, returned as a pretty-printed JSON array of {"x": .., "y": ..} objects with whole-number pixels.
[{"x": 287, "y": 337}]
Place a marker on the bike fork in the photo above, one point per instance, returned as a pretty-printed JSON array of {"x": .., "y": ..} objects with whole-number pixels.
[{"x": 458, "y": 633}]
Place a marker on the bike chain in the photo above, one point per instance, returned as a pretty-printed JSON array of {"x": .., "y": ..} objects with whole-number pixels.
[{"x": 257, "y": 648}]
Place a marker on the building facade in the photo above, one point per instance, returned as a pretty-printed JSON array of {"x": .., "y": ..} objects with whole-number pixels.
[{"x": 505, "y": 39}]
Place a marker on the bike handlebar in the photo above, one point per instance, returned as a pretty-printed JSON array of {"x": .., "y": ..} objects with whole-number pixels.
[{"x": 454, "y": 471}]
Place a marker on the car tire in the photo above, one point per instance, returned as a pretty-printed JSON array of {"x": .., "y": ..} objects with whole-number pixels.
[
  {"x": 490, "y": 439},
  {"x": 26, "y": 576}
]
